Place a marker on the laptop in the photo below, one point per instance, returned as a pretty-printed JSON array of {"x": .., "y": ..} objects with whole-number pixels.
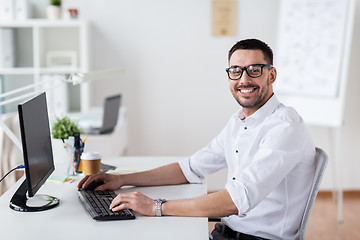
[{"x": 110, "y": 116}]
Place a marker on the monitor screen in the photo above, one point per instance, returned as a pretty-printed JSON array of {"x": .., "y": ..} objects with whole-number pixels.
[
  {"x": 111, "y": 113},
  {"x": 37, "y": 153},
  {"x": 36, "y": 141}
]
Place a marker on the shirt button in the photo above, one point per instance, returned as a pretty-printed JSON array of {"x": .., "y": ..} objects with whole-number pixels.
[
  {"x": 236, "y": 151},
  {"x": 234, "y": 178},
  {"x": 245, "y": 128}
]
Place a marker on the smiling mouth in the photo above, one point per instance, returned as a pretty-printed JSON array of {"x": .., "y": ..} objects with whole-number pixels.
[{"x": 247, "y": 90}]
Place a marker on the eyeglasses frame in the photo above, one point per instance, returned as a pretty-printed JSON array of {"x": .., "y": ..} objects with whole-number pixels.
[{"x": 246, "y": 68}]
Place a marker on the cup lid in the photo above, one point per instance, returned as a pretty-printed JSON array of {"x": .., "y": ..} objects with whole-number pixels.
[{"x": 91, "y": 155}]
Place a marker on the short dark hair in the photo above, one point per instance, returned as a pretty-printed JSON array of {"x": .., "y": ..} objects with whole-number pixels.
[{"x": 253, "y": 44}]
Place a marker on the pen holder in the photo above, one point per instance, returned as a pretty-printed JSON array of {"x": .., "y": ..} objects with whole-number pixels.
[
  {"x": 70, "y": 156},
  {"x": 70, "y": 164}
]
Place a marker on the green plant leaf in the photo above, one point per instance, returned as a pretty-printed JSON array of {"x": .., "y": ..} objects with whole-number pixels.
[
  {"x": 64, "y": 127},
  {"x": 55, "y": 2}
]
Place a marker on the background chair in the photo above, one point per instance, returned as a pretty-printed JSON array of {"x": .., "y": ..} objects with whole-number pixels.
[
  {"x": 321, "y": 160},
  {"x": 10, "y": 155}
]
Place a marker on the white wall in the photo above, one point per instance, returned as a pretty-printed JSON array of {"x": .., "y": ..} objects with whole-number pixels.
[{"x": 176, "y": 90}]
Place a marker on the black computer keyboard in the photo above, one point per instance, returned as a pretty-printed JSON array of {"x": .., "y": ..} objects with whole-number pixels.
[{"x": 97, "y": 204}]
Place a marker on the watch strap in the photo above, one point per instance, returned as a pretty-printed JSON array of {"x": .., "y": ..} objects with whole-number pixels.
[{"x": 158, "y": 204}]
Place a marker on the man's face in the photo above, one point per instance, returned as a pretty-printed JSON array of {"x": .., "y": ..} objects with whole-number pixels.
[{"x": 251, "y": 93}]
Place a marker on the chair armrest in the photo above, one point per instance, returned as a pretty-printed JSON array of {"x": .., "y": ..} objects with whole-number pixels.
[{"x": 214, "y": 219}]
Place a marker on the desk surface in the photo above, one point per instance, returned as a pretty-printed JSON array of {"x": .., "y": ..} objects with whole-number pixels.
[{"x": 70, "y": 219}]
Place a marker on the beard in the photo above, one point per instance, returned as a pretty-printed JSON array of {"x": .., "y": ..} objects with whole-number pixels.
[{"x": 259, "y": 100}]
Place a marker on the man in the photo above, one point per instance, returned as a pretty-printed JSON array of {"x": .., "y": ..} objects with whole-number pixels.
[{"x": 266, "y": 148}]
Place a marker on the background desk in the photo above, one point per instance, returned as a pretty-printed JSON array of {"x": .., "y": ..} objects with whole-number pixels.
[
  {"x": 112, "y": 144},
  {"x": 70, "y": 220}
]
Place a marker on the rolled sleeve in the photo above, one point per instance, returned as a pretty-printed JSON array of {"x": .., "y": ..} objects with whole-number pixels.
[
  {"x": 239, "y": 197},
  {"x": 189, "y": 174}
]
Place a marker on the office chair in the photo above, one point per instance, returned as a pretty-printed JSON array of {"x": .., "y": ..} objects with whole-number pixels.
[{"x": 321, "y": 160}]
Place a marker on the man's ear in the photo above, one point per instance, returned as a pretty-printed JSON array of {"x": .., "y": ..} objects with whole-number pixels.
[{"x": 273, "y": 74}]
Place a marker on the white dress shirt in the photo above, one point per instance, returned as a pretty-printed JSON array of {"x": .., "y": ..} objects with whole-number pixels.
[{"x": 270, "y": 160}]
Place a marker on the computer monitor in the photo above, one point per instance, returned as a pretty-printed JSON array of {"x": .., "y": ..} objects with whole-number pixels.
[
  {"x": 111, "y": 113},
  {"x": 38, "y": 157}
]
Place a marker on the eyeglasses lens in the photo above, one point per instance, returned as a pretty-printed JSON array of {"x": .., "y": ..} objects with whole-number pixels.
[
  {"x": 254, "y": 70},
  {"x": 235, "y": 73}
]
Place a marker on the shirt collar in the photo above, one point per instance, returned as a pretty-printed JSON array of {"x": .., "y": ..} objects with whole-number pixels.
[{"x": 267, "y": 109}]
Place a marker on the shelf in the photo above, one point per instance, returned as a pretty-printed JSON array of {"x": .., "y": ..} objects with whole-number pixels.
[
  {"x": 41, "y": 23},
  {"x": 17, "y": 71},
  {"x": 59, "y": 70},
  {"x": 40, "y": 49},
  {"x": 25, "y": 71}
]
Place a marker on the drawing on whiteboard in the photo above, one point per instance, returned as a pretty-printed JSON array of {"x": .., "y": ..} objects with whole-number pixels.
[{"x": 310, "y": 49}]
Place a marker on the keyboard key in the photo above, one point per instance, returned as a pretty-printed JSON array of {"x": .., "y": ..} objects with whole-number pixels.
[{"x": 97, "y": 204}]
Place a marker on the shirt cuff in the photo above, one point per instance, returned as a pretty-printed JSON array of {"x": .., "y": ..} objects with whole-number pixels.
[
  {"x": 239, "y": 197},
  {"x": 189, "y": 173}
]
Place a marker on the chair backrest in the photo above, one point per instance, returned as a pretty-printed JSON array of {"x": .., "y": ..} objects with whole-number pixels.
[{"x": 321, "y": 160}]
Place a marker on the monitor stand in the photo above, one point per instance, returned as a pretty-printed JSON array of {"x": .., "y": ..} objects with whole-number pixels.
[{"x": 20, "y": 201}]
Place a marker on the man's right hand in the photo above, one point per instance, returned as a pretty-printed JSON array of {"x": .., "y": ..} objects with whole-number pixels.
[{"x": 109, "y": 181}]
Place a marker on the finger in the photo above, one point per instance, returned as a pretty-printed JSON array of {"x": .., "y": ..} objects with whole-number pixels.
[
  {"x": 103, "y": 187},
  {"x": 92, "y": 178},
  {"x": 80, "y": 184},
  {"x": 116, "y": 201},
  {"x": 120, "y": 199},
  {"x": 122, "y": 206},
  {"x": 136, "y": 201}
]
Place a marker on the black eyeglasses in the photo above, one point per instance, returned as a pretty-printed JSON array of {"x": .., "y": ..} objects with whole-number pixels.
[{"x": 253, "y": 70}]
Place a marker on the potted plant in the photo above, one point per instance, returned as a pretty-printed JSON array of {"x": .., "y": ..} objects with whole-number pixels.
[
  {"x": 55, "y": 2},
  {"x": 53, "y": 10},
  {"x": 63, "y": 128},
  {"x": 63, "y": 131}
]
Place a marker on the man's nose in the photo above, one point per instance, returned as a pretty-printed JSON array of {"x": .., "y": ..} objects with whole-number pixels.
[{"x": 244, "y": 79}]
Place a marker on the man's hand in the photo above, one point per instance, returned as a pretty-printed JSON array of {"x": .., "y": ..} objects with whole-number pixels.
[
  {"x": 111, "y": 182},
  {"x": 136, "y": 201}
]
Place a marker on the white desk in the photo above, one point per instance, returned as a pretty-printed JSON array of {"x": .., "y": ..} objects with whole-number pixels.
[{"x": 70, "y": 220}]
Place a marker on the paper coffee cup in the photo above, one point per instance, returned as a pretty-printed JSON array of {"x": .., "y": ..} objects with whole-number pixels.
[{"x": 91, "y": 162}]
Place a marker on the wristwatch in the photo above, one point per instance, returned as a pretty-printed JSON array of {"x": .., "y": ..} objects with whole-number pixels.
[{"x": 158, "y": 203}]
